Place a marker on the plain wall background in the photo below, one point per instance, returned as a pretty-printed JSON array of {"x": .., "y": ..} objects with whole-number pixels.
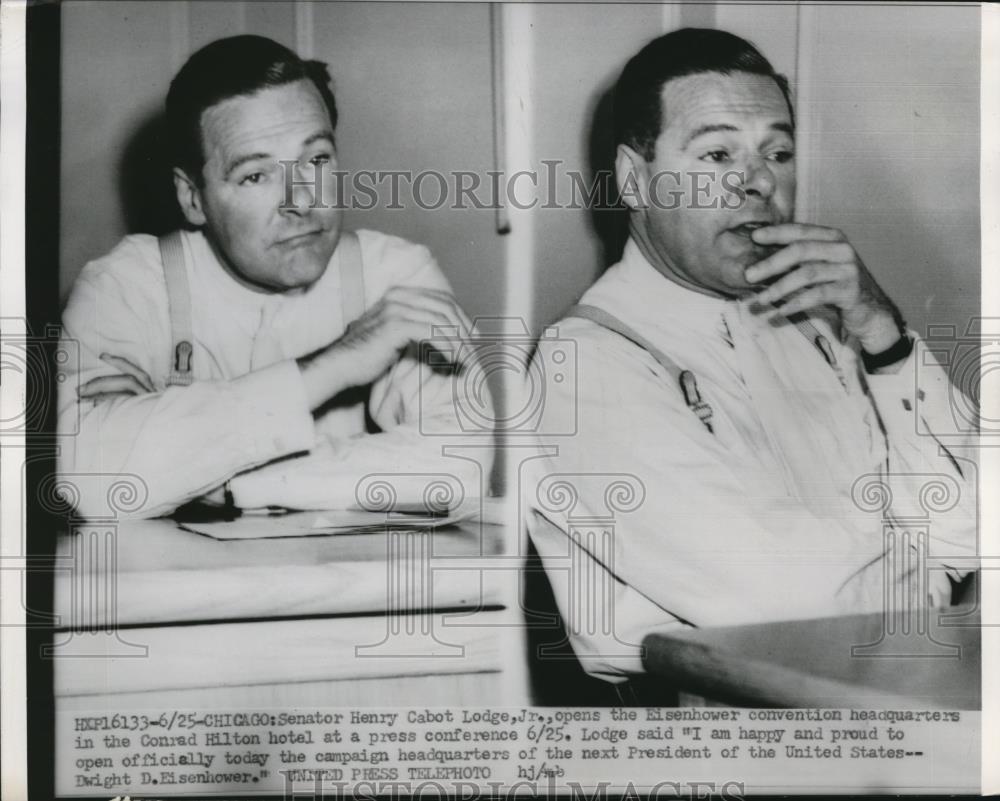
[
  {"x": 887, "y": 96},
  {"x": 894, "y": 107}
]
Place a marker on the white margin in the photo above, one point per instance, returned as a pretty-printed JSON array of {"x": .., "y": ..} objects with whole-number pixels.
[
  {"x": 13, "y": 686},
  {"x": 989, "y": 211}
]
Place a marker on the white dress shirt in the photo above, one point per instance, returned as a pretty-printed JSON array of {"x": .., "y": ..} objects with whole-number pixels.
[
  {"x": 247, "y": 405},
  {"x": 774, "y": 515}
]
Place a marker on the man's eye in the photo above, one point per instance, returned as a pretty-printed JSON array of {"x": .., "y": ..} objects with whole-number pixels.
[
  {"x": 252, "y": 178},
  {"x": 716, "y": 156},
  {"x": 322, "y": 158},
  {"x": 782, "y": 156}
]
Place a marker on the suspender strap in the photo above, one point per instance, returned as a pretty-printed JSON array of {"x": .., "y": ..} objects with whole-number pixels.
[
  {"x": 352, "y": 277},
  {"x": 352, "y": 280},
  {"x": 685, "y": 378},
  {"x": 179, "y": 303}
]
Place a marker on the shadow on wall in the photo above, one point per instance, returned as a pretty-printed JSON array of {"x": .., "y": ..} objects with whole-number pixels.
[
  {"x": 608, "y": 216},
  {"x": 145, "y": 182}
]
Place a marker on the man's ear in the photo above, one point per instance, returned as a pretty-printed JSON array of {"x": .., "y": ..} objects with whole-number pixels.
[
  {"x": 631, "y": 175},
  {"x": 189, "y": 198}
]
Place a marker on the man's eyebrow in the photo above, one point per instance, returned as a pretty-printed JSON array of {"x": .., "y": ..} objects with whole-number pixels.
[
  {"x": 701, "y": 130},
  {"x": 239, "y": 161},
  {"x": 327, "y": 135}
]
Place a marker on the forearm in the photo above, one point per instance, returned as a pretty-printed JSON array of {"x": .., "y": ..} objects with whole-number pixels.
[
  {"x": 335, "y": 472},
  {"x": 327, "y": 373},
  {"x": 184, "y": 441}
]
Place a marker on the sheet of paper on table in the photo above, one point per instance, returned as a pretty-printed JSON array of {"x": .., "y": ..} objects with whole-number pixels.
[{"x": 262, "y": 525}]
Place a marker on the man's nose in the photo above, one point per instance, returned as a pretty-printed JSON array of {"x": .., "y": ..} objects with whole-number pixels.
[
  {"x": 301, "y": 189},
  {"x": 758, "y": 179}
]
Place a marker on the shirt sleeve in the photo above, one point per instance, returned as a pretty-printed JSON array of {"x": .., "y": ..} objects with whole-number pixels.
[
  {"x": 709, "y": 545},
  {"x": 173, "y": 444},
  {"x": 433, "y": 420},
  {"x": 932, "y": 467}
]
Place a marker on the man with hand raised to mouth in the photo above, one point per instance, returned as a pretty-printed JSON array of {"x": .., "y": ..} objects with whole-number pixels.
[
  {"x": 265, "y": 331},
  {"x": 747, "y": 371}
]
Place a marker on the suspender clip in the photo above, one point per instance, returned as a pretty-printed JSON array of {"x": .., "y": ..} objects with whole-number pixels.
[
  {"x": 182, "y": 356},
  {"x": 689, "y": 386}
]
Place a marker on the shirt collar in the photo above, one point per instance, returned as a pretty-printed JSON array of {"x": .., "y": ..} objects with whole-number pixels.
[{"x": 635, "y": 290}]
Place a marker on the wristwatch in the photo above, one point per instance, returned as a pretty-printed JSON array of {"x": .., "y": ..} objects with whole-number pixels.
[{"x": 898, "y": 351}]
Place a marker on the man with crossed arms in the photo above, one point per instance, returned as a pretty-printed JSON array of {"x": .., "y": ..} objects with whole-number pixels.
[{"x": 278, "y": 366}]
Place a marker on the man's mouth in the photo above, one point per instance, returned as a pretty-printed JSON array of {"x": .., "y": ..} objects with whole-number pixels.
[
  {"x": 747, "y": 228},
  {"x": 299, "y": 239}
]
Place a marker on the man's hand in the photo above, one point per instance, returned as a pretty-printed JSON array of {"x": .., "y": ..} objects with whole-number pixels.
[
  {"x": 373, "y": 342},
  {"x": 133, "y": 380},
  {"x": 817, "y": 267}
]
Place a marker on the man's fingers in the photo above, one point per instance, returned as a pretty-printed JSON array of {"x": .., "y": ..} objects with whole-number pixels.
[
  {"x": 412, "y": 314},
  {"x": 443, "y": 313},
  {"x": 440, "y": 319},
  {"x": 115, "y": 384},
  {"x": 128, "y": 368},
  {"x": 403, "y": 324},
  {"x": 786, "y": 233},
  {"x": 797, "y": 253},
  {"x": 448, "y": 334},
  {"x": 111, "y": 384},
  {"x": 451, "y": 345},
  {"x": 428, "y": 298},
  {"x": 808, "y": 299},
  {"x": 808, "y": 274},
  {"x": 457, "y": 331}
]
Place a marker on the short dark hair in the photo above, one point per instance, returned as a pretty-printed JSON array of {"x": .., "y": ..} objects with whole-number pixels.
[
  {"x": 233, "y": 67},
  {"x": 638, "y": 108}
]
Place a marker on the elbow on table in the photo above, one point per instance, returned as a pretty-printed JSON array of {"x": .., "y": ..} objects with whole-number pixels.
[{"x": 91, "y": 492}]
